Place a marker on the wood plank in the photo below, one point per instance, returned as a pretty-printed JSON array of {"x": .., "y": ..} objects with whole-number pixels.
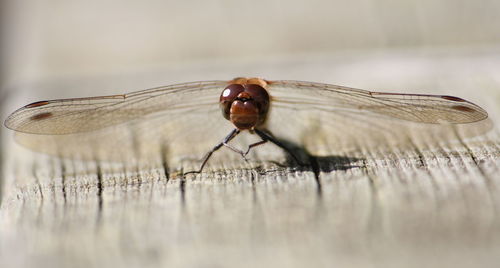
[{"x": 387, "y": 206}]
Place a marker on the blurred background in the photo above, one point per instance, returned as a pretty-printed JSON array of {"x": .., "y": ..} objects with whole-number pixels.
[{"x": 60, "y": 40}]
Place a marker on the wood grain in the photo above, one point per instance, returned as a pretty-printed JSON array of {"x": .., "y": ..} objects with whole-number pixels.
[{"x": 428, "y": 205}]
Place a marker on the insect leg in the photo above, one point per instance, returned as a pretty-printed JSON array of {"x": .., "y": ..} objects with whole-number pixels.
[
  {"x": 229, "y": 137},
  {"x": 254, "y": 144}
]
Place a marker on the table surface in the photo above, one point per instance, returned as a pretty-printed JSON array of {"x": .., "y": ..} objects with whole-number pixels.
[{"x": 425, "y": 202}]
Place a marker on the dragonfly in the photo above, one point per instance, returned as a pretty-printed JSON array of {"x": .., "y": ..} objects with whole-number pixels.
[{"x": 254, "y": 105}]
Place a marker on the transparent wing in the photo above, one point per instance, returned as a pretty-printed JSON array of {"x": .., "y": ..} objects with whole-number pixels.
[
  {"x": 181, "y": 120},
  {"x": 67, "y": 116},
  {"x": 327, "y": 118},
  {"x": 412, "y": 107}
]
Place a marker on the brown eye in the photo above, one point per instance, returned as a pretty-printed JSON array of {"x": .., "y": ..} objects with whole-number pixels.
[
  {"x": 227, "y": 97},
  {"x": 260, "y": 96}
]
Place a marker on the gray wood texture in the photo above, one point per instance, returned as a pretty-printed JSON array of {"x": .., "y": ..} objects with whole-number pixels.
[{"x": 419, "y": 206}]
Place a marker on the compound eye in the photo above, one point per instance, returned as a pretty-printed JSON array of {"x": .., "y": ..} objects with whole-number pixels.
[
  {"x": 260, "y": 96},
  {"x": 227, "y": 97},
  {"x": 258, "y": 93},
  {"x": 231, "y": 92}
]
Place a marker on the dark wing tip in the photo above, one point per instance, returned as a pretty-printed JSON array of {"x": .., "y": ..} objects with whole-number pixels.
[
  {"x": 452, "y": 98},
  {"x": 41, "y": 116},
  {"x": 463, "y": 108},
  {"x": 468, "y": 107},
  {"x": 37, "y": 104}
]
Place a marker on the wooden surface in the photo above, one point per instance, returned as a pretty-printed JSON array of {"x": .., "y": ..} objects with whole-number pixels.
[{"x": 432, "y": 206}]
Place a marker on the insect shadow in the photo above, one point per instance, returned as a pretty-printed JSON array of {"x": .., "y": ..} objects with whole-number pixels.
[{"x": 316, "y": 164}]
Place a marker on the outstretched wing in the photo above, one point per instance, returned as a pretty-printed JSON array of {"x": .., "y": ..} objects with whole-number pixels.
[
  {"x": 182, "y": 120},
  {"x": 412, "y": 107},
  {"x": 67, "y": 116},
  {"x": 340, "y": 117}
]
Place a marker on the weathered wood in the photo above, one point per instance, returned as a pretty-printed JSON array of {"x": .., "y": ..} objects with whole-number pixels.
[{"x": 417, "y": 206}]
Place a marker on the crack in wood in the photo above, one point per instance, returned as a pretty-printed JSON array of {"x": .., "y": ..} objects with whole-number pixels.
[
  {"x": 99, "y": 192},
  {"x": 182, "y": 188},
  {"x": 313, "y": 161},
  {"x": 164, "y": 163},
  {"x": 63, "y": 180}
]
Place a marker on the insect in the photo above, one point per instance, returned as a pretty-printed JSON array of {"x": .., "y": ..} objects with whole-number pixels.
[{"x": 249, "y": 104}]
